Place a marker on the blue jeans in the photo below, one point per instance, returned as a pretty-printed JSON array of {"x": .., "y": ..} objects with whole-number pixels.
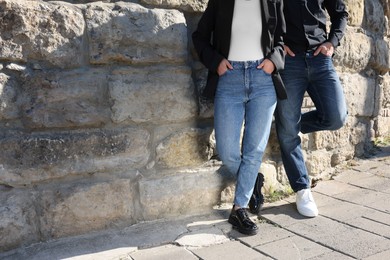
[
  {"x": 317, "y": 76},
  {"x": 244, "y": 94}
]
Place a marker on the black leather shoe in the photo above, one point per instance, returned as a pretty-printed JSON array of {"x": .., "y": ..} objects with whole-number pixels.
[
  {"x": 240, "y": 221},
  {"x": 257, "y": 199}
]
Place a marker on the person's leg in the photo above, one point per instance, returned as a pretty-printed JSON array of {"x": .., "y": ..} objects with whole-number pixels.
[
  {"x": 228, "y": 119},
  {"x": 287, "y": 121},
  {"x": 259, "y": 109},
  {"x": 260, "y": 102},
  {"x": 327, "y": 95}
]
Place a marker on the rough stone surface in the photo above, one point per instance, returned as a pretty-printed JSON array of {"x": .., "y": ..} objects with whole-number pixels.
[
  {"x": 131, "y": 33},
  {"x": 18, "y": 219},
  {"x": 167, "y": 196},
  {"x": 103, "y": 95},
  {"x": 185, "y": 149},
  {"x": 185, "y": 5},
  {"x": 75, "y": 98},
  {"x": 39, "y": 157},
  {"x": 8, "y": 98},
  {"x": 162, "y": 94},
  {"x": 45, "y": 32},
  {"x": 81, "y": 207}
]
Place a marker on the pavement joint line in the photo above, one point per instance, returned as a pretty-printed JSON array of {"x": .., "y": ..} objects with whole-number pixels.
[
  {"x": 356, "y": 227},
  {"x": 374, "y": 220},
  {"x": 317, "y": 242},
  {"x": 354, "y": 203}
]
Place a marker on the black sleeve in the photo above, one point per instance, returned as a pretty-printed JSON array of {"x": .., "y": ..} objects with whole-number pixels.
[
  {"x": 338, "y": 18},
  {"x": 202, "y": 38}
]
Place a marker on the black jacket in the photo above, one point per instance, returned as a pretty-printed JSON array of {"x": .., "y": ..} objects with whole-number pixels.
[{"x": 212, "y": 39}]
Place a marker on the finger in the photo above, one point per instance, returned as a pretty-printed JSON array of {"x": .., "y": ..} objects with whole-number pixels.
[
  {"x": 261, "y": 65},
  {"x": 288, "y": 51},
  {"x": 228, "y": 65},
  {"x": 319, "y": 49}
]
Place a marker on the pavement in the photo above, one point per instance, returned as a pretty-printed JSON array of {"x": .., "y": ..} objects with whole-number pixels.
[{"x": 353, "y": 223}]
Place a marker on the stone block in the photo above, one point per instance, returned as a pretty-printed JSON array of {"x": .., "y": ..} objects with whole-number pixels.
[
  {"x": 8, "y": 97},
  {"x": 168, "y": 196},
  {"x": 381, "y": 61},
  {"x": 56, "y": 99},
  {"x": 375, "y": 18},
  {"x": 354, "y": 52},
  {"x": 360, "y": 94},
  {"x": 37, "y": 157},
  {"x": 319, "y": 163},
  {"x": 187, "y": 148},
  {"x": 157, "y": 94},
  {"x": 40, "y": 31},
  {"x": 130, "y": 33},
  {"x": 82, "y": 207},
  {"x": 184, "y": 5},
  {"x": 355, "y": 11},
  {"x": 18, "y": 219}
]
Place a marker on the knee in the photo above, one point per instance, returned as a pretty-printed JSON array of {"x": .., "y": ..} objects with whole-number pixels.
[{"x": 338, "y": 122}]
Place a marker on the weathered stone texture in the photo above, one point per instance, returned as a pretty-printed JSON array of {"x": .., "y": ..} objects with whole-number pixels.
[
  {"x": 184, "y": 149},
  {"x": 131, "y": 33},
  {"x": 153, "y": 94},
  {"x": 185, "y": 5},
  {"x": 76, "y": 98},
  {"x": 9, "y": 92},
  {"x": 101, "y": 124},
  {"x": 180, "y": 194},
  {"x": 81, "y": 207},
  {"x": 37, "y": 31},
  {"x": 18, "y": 219},
  {"x": 37, "y": 157},
  {"x": 356, "y": 12},
  {"x": 360, "y": 94},
  {"x": 349, "y": 55}
]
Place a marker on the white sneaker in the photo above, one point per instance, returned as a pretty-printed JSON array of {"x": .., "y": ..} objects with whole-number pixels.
[{"x": 305, "y": 204}]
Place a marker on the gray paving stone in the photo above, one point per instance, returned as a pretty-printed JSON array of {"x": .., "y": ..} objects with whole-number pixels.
[
  {"x": 344, "y": 211},
  {"x": 167, "y": 252},
  {"x": 379, "y": 256},
  {"x": 371, "y": 226},
  {"x": 332, "y": 256},
  {"x": 355, "y": 242},
  {"x": 333, "y": 187},
  {"x": 293, "y": 248},
  {"x": 365, "y": 197},
  {"x": 267, "y": 233},
  {"x": 283, "y": 213},
  {"x": 379, "y": 217},
  {"x": 318, "y": 228},
  {"x": 352, "y": 174},
  {"x": 202, "y": 237},
  {"x": 229, "y": 251},
  {"x": 375, "y": 182}
]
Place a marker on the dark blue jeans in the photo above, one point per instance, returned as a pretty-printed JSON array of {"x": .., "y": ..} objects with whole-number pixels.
[{"x": 316, "y": 76}]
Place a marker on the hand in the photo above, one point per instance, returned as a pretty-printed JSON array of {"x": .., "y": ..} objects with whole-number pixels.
[
  {"x": 326, "y": 48},
  {"x": 288, "y": 51},
  {"x": 267, "y": 66},
  {"x": 223, "y": 67}
]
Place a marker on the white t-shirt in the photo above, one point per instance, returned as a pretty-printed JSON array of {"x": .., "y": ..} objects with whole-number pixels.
[{"x": 245, "y": 42}]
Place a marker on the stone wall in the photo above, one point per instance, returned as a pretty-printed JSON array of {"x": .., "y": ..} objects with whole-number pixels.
[{"x": 101, "y": 125}]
